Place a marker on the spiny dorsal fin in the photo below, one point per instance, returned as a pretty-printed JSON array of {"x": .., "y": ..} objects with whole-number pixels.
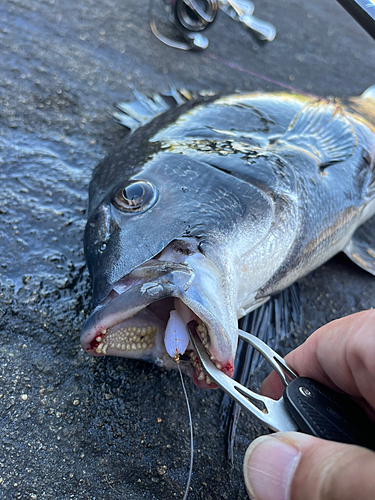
[
  {"x": 322, "y": 130},
  {"x": 143, "y": 109}
]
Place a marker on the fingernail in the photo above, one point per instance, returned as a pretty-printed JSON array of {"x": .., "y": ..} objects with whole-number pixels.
[{"x": 269, "y": 466}]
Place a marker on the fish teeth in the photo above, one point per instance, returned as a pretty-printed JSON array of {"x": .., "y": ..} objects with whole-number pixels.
[
  {"x": 203, "y": 334},
  {"x": 130, "y": 338}
]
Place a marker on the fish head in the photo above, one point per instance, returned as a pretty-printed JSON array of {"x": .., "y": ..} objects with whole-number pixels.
[{"x": 161, "y": 240}]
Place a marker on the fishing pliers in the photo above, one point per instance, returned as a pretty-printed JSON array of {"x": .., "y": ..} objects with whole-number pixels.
[{"x": 306, "y": 405}]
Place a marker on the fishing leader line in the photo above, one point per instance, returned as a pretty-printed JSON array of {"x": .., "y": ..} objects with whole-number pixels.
[{"x": 191, "y": 432}]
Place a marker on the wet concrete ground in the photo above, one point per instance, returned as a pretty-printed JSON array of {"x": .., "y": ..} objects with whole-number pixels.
[{"x": 77, "y": 427}]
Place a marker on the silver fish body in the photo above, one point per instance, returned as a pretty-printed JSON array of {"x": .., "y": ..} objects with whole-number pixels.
[{"x": 210, "y": 210}]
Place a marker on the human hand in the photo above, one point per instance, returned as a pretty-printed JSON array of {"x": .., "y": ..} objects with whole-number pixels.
[{"x": 295, "y": 466}]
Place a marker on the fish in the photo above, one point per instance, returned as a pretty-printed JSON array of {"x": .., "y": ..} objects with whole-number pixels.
[{"x": 214, "y": 204}]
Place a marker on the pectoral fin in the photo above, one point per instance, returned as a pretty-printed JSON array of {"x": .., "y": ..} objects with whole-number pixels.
[
  {"x": 361, "y": 247},
  {"x": 369, "y": 93},
  {"x": 322, "y": 130}
]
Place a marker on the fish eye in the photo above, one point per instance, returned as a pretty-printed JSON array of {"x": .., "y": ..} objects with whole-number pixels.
[{"x": 135, "y": 197}]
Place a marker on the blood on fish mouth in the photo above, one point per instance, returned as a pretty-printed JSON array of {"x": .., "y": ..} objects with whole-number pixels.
[{"x": 144, "y": 334}]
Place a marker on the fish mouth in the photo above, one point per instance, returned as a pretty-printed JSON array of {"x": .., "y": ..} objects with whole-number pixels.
[{"x": 135, "y": 322}]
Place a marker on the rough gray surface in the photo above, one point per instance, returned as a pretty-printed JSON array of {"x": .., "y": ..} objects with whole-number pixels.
[{"x": 84, "y": 428}]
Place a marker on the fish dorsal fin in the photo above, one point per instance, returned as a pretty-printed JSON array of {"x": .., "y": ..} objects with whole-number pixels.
[
  {"x": 322, "y": 130},
  {"x": 143, "y": 109}
]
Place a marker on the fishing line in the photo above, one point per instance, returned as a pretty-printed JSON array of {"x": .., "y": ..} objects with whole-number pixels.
[
  {"x": 191, "y": 433},
  {"x": 233, "y": 65}
]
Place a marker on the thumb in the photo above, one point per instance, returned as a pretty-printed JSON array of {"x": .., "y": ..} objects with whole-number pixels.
[{"x": 295, "y": 466}]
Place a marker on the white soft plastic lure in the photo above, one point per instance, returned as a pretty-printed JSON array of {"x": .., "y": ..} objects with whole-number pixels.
[{"x": 176, "y": 339}]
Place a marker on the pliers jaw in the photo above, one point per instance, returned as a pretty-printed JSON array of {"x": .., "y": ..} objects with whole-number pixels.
[{"x": 271, "y": 412}]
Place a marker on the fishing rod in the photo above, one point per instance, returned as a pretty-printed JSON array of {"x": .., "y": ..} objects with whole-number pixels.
[{"x": 363, "y": 11}]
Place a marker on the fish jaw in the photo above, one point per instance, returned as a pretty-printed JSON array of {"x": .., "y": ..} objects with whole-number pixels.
[
  {"x": 133, "y": 324},
  {"x": 211, "y": 296},
  {"x": 119, "y": 322}
]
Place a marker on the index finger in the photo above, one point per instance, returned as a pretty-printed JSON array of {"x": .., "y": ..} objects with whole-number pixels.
[{"x": 340, "y": 355}]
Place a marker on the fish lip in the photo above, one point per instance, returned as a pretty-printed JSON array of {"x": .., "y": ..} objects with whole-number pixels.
[
  {"x": 157, "y": 280},
  {"x": 174, "y": 282}
]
